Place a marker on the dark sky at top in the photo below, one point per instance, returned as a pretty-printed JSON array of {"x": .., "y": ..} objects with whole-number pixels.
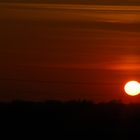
[{"x": 103, "y": 2}]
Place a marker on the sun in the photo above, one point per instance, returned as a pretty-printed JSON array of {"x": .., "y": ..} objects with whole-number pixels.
[{"x": 132, "y": 88}]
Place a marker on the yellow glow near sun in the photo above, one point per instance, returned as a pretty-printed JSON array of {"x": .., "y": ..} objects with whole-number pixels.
[{"x": 132, "y": 88}]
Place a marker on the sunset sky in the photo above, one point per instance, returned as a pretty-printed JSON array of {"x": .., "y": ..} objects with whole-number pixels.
[{"x": 68, "y": 51}]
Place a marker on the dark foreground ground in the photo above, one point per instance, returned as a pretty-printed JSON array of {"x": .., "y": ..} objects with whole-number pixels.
[{"x": 53, "y": 118}]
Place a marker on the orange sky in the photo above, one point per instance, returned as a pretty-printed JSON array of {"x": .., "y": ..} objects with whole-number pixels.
[
  {"x": 68, "y": 52},
  {"x": 101, "y": 2}
]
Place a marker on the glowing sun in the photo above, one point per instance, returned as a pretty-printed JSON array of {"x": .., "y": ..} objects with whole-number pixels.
[{"x": 132, "y": 88}]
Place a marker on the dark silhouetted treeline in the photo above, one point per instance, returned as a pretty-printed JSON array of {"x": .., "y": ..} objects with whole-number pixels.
[{"x": 113, "y": 119}]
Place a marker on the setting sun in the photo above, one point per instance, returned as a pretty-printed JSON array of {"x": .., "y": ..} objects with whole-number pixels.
[{"x": 132, "y": 88}]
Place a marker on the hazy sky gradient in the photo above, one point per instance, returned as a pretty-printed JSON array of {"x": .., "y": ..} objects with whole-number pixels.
[{"x": 52, "y": 51}]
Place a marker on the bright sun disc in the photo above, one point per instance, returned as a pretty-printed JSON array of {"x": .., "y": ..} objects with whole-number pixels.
[{"x": 132, "y": 88}]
